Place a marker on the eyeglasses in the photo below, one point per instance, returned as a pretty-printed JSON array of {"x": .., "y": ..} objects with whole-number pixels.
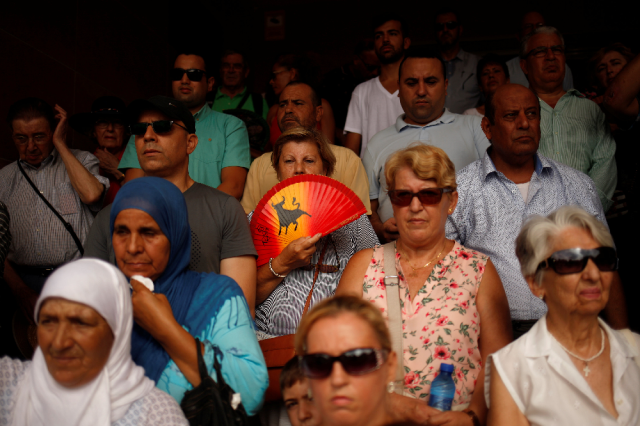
[
  {"x": 574, "y": 260},
  {"x": 355, "y": 362},
  {"x": 235, "y": 67},
  {"x": 274, "y": 74},
  {"x": 451, "y": 25},
  {"x": 540, "y": 52},
  {"x": 192, "y": 74},
  {"x": 159, "y": 127},
  {"x": 103, "y": 124},
  {"x": 39, "y": 139},
  {"x": 427, "y": 197}
]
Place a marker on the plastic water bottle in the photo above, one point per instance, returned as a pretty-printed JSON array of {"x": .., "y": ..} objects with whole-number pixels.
[{"x": 442, "y": 389}]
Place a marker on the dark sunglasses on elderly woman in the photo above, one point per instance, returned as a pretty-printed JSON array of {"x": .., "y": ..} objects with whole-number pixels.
[
  {"x": 574, "y": 260},
  {"x": 159, "y": 127},
  {"x": 355, "y": 362},
  {"x": 428, "y": 196},
  {"x": 192, "y": 74}
]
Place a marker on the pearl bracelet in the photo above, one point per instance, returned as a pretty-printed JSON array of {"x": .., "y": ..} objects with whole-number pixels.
[{"x": 274, "y": 272}]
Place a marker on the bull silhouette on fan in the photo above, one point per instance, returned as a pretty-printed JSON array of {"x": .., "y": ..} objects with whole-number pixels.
[{"x": 287, "y": 217}]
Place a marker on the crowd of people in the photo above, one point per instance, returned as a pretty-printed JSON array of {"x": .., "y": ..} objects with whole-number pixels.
[{"x": 499, "y": 199}]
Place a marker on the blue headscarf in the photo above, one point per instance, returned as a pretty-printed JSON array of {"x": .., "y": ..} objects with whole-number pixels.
[{"x": 164, "y": 202}]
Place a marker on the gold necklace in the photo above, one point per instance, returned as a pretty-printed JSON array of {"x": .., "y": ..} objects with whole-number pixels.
[{"x": 414, "y": 273}]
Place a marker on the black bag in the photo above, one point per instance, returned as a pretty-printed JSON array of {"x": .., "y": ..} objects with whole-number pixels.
[{"x": 209, "y": 404}]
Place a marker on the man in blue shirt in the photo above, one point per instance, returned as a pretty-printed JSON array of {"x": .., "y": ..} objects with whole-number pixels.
[
  {"x": 510, "y": 183},
  {"x": 222, "y": 157},
  {"x": 422, "y": 92}
]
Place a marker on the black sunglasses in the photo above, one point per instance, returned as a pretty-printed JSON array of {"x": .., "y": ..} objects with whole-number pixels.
[
  {"x": 355, "y": 362},
  {"x": 574, "y": 260},
  {"x": 451, "y": 25},
  {"x": 429, "y": 196},
  {"x": 192, "y": 74},
  {"x": 159, "y": 127}
]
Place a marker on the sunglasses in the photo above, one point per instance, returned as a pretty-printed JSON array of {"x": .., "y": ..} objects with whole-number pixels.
[
  {"x": 159, "y": 127},
  {"x": 574, "y": 260},
  {"x": 427, "y": 197},
  {"x": 451, "y": 25},
  {"x": 192, "y": 74},
  {"x": 355, "y": 362}
]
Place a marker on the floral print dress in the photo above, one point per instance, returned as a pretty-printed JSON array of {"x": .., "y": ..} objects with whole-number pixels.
[{"x": 441, "y": 324}]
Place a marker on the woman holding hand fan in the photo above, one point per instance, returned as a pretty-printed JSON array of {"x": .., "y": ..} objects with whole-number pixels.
[
  {"x": 285, "y": 280},
  {"x": 453, "y": 308}
]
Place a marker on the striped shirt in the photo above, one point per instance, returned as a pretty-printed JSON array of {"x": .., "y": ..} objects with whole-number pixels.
[
  {"x": 575, "y": 133},
  {"x": 39, "y": 237},
  {"x": 5, "y": 236},
  {"x": 491, "y": 210}
]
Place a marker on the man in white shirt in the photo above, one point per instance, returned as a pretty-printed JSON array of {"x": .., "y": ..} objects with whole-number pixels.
[
  {"x": 423, "y": 89},
  {"x": 531, "y": 21},
  {"x": 374, "y": 104}
]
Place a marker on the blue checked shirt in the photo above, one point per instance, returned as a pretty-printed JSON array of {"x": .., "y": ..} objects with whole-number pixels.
[{"x": 491, "y": 211}]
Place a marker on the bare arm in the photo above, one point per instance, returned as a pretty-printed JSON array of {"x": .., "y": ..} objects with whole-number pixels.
[
  {"x": 353, "y": 275},
  {"x": 387, "y": 231},
  {"x": 25, "y": 297},
  {"x": 504, "y": 410},
  {"x": 353, "y": 141},
  {"x": 233, "y": 179},
  {"x": 132, "y": 174},
  {"x": 328, "y": 122},
  {"x": 616, "y": 309},
  {"x": 620, "y": 100},
  {"x": 243, "y": 271},
  {"x": 88, "y": 188}
]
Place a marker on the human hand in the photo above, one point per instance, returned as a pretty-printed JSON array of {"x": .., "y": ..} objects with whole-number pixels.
[
  {"x": 151, "y": 311},
  {"x": 450, "y": 418},
  {"x": 60, "y": 134},
  {"x": 390, "y": 229},
  {"x": 108, "y": 162},
  {"x": 296, "y": 254}
]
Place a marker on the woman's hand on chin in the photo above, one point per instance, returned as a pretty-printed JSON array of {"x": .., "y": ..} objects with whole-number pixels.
[
  {"x": 151, "y": 311},
  {"x": 298, "y": 253}
]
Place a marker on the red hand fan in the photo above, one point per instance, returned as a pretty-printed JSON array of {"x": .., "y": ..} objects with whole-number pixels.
[{"x": 301, "y": 206}]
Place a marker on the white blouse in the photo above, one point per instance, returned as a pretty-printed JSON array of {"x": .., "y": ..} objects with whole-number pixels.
[{"x": 548, "y": 388}]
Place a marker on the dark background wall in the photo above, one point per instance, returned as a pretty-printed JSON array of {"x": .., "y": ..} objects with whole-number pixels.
[{"x": 72, "y": 51}]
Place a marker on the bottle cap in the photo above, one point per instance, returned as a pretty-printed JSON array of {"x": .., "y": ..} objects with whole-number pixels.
[{"x": 448, "y": 368}]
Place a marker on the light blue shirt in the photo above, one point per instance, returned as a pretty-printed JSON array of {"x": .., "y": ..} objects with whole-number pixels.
[
  {"x": 491, "y": 211},
  {"x": 463, "y": 91},
  {"x": 223, "y": 141},
  {"x": 460, "y": 136},
  {"x": 517, "y": 76}
]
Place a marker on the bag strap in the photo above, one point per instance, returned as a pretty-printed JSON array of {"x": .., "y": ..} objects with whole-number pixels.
[
  {"x": 393, "y": 308},
  {"x": 202, "y": 367},
  {"x": 315, "y": 276},
  {"x": 66, "y": 224},
  {"x": 244, "y": 99}
]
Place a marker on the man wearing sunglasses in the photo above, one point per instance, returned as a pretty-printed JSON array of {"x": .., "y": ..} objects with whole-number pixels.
[
  {"x": 574, "y": 131},
  {"x": 531, "y": 21},
  {"x": 164, "y": 131},
  {"x": 510, "y": 183},
  {"x": 463, "y": 91},
  {"x": 423, "y": 88},
  {"x": 222, "y": 157}
]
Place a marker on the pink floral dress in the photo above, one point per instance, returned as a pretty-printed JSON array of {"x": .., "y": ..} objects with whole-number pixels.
[{"x": 441, "y": 324}]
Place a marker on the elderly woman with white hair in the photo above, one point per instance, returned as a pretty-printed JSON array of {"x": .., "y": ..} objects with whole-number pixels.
[
  {"x": 571, "y": 367},
  {"x": 82, "y": 372}
]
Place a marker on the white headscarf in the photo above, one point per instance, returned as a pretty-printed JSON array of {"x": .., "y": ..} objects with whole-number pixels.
[{"x": 43, "y": 401}]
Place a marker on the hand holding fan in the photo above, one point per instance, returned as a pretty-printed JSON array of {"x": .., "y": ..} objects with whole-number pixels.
[{"x": 298, "y": 207}]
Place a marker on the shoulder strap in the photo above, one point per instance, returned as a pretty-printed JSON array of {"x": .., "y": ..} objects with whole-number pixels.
[
  {"x": 244, "y": 99},
  {"x": 257, "y": 103},
  {"x": 202, "y": 368},
  {"x": 393, "y": 308},
  {"x": 315, "y": 276},
  {"x": 66, "y": 224}
]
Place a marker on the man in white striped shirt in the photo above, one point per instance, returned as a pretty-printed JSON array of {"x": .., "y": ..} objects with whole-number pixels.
[{"x": 574, "y": 130}]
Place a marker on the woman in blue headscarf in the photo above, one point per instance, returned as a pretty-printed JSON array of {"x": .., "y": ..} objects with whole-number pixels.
[{"x": 152, "y": 238}]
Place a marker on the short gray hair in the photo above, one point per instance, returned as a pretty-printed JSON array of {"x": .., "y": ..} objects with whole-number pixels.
[
  {"x": 538, "y": 234},
  {"x": 524, "y": 44}
]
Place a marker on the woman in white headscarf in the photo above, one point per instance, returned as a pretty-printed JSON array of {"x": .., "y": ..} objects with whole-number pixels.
[{"x": 82, "y": 372}]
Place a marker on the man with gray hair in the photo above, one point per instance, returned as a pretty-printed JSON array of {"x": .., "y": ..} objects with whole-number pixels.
[
  {"x": 510, "y": 183},
  {"x": 573, "y": 129}
]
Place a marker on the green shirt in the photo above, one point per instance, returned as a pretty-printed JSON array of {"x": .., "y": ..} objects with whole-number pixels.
[
  {"x": 222, "y": 102},
  {"x": 223, "y": 141},
  {"x": 575, "y": 133}
]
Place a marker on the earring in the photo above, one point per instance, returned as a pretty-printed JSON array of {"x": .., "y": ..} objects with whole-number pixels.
[
  {"x": 450, "y": 211},
  {"x": 541, "y": 297},
  {"x": 391, "y": 387}
]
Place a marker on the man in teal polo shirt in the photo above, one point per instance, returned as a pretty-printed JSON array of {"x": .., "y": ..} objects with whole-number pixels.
[
  {"x": 222, "y": 157},
  {"x": 233, "y": 93}
]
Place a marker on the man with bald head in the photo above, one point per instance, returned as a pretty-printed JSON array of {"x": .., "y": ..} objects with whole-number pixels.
[
  {"x": 510, "y": 183},
  {"x": 299, "y": 105},
  {"x": 531, "y": 21}
]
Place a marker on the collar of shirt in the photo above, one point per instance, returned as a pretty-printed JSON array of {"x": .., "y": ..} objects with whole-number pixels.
[
  {"x": 204, "y": 111},
  {"x": 220, "y": 95},
  {"x": 570, "y": 93},
  {"x": 446, "y": 118},
  {"x": 488, "y": 167},
  {"x": 460, "y": 56},
  {"x": 46, "y": 162}
]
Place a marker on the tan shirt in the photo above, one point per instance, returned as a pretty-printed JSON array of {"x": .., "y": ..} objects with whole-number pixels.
[{"x": 349, "y": 171}]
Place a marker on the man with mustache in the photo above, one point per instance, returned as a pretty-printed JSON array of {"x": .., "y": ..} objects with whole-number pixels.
[
  {"x": 299, "y": 105},
  {"x": 222, "y": 157},
  {"x": 374, "y": 104},
  {"x": 511, "y": 182},
  {"x": 573, "y": 129},
  {"x": 423, "y": 89}
]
